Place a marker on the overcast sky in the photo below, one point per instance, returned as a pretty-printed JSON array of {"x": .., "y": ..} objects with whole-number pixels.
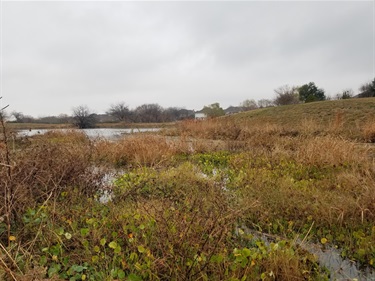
[{"x": 57, "y": 55}]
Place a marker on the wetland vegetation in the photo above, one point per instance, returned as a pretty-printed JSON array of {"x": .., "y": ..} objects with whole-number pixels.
[{"x": 192, "y": 201}]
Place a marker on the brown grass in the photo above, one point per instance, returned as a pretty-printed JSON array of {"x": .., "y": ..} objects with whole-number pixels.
[
  {"x": 47, "y": 166},
  {"x": 139, "y": 150},
  {"x": 285, "y": 178},
  {"x": 369, "y": 132},
  {"x": 340, "y": 117}
]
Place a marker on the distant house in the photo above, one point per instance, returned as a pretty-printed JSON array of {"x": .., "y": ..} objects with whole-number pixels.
[{"x": 199, "y": 115}]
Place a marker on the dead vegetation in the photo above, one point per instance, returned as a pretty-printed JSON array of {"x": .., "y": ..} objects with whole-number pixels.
[{"x": 180, "y": 198}]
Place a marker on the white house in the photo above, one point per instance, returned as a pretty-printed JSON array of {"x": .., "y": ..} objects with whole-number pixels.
[{"x": 200, "y": 115}]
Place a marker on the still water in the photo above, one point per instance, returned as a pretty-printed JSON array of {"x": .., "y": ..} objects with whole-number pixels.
[{"x": 107, "y": 133}]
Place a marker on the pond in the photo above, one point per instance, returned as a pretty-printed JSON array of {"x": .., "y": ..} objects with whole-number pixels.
[{"x": 107, "y": 133}]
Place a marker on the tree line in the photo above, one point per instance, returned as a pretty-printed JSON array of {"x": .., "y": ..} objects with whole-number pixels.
[
  {"x": 83, "y": 117},
  {"x": 310, "y": 92}
]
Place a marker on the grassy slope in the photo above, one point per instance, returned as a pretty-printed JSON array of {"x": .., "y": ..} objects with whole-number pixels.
[{"x": 354, "y": 112}]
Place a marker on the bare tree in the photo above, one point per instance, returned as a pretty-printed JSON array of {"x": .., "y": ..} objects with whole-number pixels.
[
  {"x": 286, "y": 95},
  {"x": 21, "y": 118},
  {"x": 249, "y": 104},
  {"x": 120, "y": 111},
  {"x": 18, "y": 115},
  {"x": 83, "y": 118},
  {"x": 345, "y": 94},
  {"x": 265, "y": 103},
  {"x": 149, "y": 113},
  {"x": 171, "y": 114}
]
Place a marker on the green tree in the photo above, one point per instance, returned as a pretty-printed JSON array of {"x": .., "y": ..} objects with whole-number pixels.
[
  {"x": 213, "y": 110},
  {"x": 367, "y": 90},
  {"x": 310, "y": 92}
]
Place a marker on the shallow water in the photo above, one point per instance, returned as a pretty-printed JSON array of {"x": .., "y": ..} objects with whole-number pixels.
[
  {"x": 107, "y": 133},
  {"x": 340, "y": 269}
]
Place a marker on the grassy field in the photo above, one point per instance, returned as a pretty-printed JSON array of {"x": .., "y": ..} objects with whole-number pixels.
[
  {"x": 348, "y": 115},
  {"x": 192, "y": 202}
]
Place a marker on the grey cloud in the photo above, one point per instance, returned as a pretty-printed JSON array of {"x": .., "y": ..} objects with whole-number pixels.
[{"x": 178, "y": 53}]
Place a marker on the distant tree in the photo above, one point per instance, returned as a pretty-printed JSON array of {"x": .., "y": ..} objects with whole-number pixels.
[
  {"x": 120, "y": 111},
  {"x": 185, "y": 114},
  {"x": 83, "y": 118},
  {"x": 63, "y": 118},
  {"x": 286, "y": 95},
  {"x": 21, "y": 118},
  {"x": 149, "y": 113},
  {"x": 174, "y": 114},
  {"x": 310, "y": 92},
  {"x": 18, "y": 116},
  {"x": 345, "y": 94},
  {"x": 249, "y": 104},
  {"x": 265, "y": 103},
  {"x": 367, "y": 90},
  {"x": 213, "y": 110}
]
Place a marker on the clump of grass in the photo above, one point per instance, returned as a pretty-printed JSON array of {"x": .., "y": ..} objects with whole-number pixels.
[
  {"x": 49, "y": 165},
  {"x": 322, "y": 151},
  {"x": 337, "y": 124},
  {"x": 369, "y": 132},
  {"x": 218, "y": 129},
  {"x": 138, "y": 150},
  {"x": 310, "y": 127},
  {"x": 151, "y": 150}
]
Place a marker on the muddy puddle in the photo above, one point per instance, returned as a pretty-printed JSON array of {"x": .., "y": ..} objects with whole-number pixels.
[{"x": 340, "y": 269}]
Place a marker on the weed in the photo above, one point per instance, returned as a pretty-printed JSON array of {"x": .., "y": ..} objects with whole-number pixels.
[{"x": 181, "y": 196}]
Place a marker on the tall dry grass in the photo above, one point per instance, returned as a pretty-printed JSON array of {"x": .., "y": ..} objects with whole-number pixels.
[
  {"x": 44, "y": 168},
  {"x": 151, "y": 149},
  {"x": 278, "y": 179},
  {"x": 368, "y": 130},
  {"x": 311, "y": 169}
]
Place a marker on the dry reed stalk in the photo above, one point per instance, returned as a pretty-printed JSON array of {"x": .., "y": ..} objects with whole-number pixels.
[
  {"x": 368, "y": 132},
  {"x": 337, "y": 124},
  {"x": 309, "y": 127},
  {"x": 328, "y": 151},
  {"x": 4, "y": 264}
]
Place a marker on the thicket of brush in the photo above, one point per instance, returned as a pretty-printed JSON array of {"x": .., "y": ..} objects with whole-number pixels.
[{"x": 186, "y": 204}]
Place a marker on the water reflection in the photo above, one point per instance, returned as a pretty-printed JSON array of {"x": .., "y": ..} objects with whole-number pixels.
[
  {"x": 107, "y": 133},
  {"x": 340, "y": 268}
]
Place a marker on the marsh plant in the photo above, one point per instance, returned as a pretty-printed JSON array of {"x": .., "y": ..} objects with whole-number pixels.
[{"x": 187, "y": 203}]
